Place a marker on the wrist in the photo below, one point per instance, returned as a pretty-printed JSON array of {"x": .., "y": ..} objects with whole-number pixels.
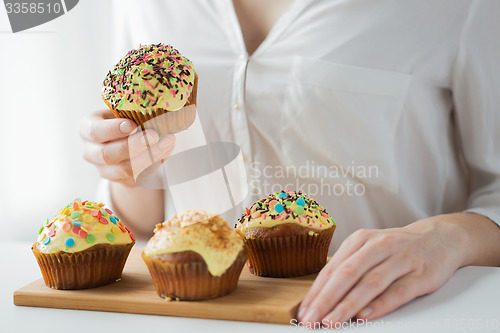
[{"x": 452, "y": 231}]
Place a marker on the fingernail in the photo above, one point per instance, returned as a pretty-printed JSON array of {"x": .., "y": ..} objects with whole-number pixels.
[
  {"x": 335, "y": 317},
  {"x": 301, "y": 312},
  {"x": 311, "y": 316},
  {"x": 125, "y": 127},
  {"x": 365, "y": 312},
  {"x": 167, "y": 141},
  {"x": 150, "y": 140}
]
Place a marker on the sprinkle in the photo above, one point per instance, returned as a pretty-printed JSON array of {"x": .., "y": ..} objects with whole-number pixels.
[
  {"x": 278, "y": 208},
  {"x": 112, "y": 219},
  {"x": 86, "y": 228},
  {"x": 66, "y": 227},
  {"x": 76, "y": 223},
  {"x": 110, "y": 237},
  {"x": 69, "y": 242},
  {"x": 51, "y": 233},
  {"x": 75, "y": 215},
  {"x": 104, "y": 213},
  {"x": 103, "y": 220},
  {"x": 40, "y": 230},
  {"x": 282, "y": 195},
  {"x": 46, "y": 240},
  {"x": 75, "y": 229},
  {"x": 256, "y": 215},
  {"x": 94, "y": 212},
  {"x": 90, "y": 239},
  {"x": 115, "y": 230},
  {"x": 130, "y": 233},
  {"x": 87, "y": 218},
  {"x": 98, "y": 227},
  {"x": 273, "y": 203},
  {"x": 75, "y": 205},
  {"x": 299, "y": 210},
  {"x": 109, "y": 211},
  {"x": 82, "y": 233},
  {"x": 301, "y": 202}
]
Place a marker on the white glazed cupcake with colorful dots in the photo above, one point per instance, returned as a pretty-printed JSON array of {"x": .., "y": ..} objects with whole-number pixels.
[{"x": 84, "y": 246}]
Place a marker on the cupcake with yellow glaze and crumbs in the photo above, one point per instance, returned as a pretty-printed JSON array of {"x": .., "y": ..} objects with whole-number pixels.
[
  {"x": 155, "y": 86},
  {"x": 84, "y": 246},
  {"x": 195, "y": 256},
  {"x": 288, "y": 234}
]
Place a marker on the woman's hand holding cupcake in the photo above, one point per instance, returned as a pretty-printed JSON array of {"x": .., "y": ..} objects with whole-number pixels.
[{"x": 153, "y": 87}]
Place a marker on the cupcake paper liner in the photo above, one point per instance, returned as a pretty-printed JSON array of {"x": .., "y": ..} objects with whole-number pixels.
[
  {"x": 96, "y": 266},
  {"x": 191, "y": 281},
  {"x": 161, "y": 120},
  {"x": 288, "y": 256}
]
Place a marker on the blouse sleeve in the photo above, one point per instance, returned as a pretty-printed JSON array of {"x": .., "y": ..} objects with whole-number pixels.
[{"x": 476, "y": 94}]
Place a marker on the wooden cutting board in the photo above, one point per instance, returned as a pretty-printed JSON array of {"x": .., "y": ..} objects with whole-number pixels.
[{"x": 256, "y": 299}]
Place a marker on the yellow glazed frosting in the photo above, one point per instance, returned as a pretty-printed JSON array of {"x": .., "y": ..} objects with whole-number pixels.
[
  {"x": 285, "y": 207},
  {"x": 80, "y": 225},
  {"x": 197, "y": 231},
  {"x": 149, "y": 78}
]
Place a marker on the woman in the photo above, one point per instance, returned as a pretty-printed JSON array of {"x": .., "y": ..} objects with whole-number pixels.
[{"x": 406, "y": 88}]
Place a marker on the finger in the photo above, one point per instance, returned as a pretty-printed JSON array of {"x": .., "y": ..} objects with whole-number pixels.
[
  {"x": 154, "y": 154},
  {"x": 117, "y": 172},
  {"x": 343, "y": 279},
  {"x": 99, "y": 128},
  {"x": 352, "y": 244},
  {"x": 400, "y": 292},
  {"x": 122, "y": 173},
  {"x": 371, "y": 285},
  {"x": 115, "y": 152}
]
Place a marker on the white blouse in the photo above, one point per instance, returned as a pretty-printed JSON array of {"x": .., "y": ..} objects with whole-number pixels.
[{"x": 384, "y": 111}]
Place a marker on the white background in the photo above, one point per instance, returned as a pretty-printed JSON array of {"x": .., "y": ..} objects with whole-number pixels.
[{"x": 50, "y": 78}]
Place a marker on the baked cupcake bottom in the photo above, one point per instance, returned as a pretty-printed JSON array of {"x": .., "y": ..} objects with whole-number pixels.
[
  {"x": 96, "y": 266},
  {"x": 294, "y": 253},
  {"x": 185, "y": 275},
  {"x": 162, "y": 121}
]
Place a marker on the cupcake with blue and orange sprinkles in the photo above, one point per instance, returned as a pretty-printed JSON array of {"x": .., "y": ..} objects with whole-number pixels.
[
  {"x": 288, "y": 234},
  {"x": 84, "y": 246}
]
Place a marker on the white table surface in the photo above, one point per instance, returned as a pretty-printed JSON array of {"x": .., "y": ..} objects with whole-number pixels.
[{"x": 469, "y": 302}]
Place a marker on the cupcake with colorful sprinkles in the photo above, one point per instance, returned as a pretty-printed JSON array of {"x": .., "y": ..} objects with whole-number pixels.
[
  {"x": 288, "y": 234},
  {"x": 155, "y": 86},
  {"x": 84, "y": 246},
  {"x": 195, "y": 256}
]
